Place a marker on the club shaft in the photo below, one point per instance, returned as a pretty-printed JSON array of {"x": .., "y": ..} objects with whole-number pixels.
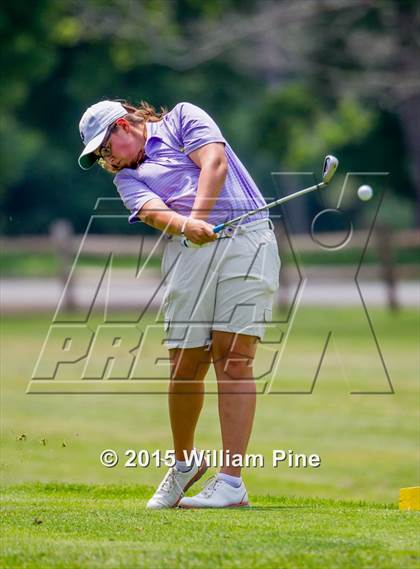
[{"x": 280, "y": 201}]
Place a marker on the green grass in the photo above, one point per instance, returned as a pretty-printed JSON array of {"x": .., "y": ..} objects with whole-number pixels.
[
  {"x": 45, "y": 264},
  {"x": 367, "y": 443},
  {"x": 79, "y": 526}
]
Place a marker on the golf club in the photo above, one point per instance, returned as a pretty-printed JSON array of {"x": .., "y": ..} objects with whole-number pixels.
[{"x": 328, "y": 171}]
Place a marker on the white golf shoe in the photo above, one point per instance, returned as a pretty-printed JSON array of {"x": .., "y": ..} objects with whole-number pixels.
[
  {"x": 217, "y": 494},
  {"x": 173, "y": 486}
]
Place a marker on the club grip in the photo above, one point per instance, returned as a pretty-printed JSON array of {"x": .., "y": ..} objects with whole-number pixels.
[{"x": 218, "y": 228}]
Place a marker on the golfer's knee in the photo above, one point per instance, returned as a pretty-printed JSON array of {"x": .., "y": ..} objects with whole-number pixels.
[
  {"x": 186, "y": 374},
  {"x": 189, "y": 364},
  {"x": 237, "y": 366},
  {"x": 189, "y": 370}
]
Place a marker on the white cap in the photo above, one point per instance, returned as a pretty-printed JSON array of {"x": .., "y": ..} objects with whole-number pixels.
[{"x": 93, "y": 127}]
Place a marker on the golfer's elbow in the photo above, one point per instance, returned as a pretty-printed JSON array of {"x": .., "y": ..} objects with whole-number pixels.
[
  {"x": 165, "y": 219},
  {"x": 150, "y": 218},
  {"x": 151, "y": 210},
  {"x": 145, "y": 216}
]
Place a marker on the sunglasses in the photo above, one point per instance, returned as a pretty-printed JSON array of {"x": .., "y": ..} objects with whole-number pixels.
[{"x": 105, "y": 150}]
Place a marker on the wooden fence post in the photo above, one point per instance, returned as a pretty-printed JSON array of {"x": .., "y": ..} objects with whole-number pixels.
[
  {"x": 384, "y": 238},
  {"x": 61, "y": 234}
]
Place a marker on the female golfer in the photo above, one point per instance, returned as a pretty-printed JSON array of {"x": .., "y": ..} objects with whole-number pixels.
[{"x": 176, "y": 172}]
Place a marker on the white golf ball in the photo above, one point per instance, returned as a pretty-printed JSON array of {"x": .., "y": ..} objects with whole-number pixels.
[{"x": 365, "y": 193}]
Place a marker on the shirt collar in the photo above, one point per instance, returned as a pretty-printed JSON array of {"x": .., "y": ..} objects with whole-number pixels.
[{"x": 153, "y": 133}]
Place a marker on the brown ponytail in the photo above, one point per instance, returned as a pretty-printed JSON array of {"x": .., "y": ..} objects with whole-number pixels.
[{"x": 143, "y": 113}]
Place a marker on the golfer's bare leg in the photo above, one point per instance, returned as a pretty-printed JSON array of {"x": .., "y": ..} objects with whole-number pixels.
[
  {"x": 233, "y": 356},
  {"x": 189, "y": 367}
]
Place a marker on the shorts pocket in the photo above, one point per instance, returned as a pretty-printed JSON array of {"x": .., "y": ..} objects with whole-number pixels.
[
  {"x": 274, "y": 267},
  {"x": 163, "y": 264},
  {"x": 167, "y": 313}
]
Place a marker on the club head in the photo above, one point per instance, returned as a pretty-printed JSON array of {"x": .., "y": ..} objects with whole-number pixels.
[{"x": 330, "y": 166}]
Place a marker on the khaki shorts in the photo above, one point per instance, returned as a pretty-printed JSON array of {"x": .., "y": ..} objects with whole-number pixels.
[{"x": 227, "y": 285}]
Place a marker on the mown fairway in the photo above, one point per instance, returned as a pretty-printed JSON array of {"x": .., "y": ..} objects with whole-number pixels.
[
  {"x": 367, "y": 444},
  {"x": 79, "y": 526}
]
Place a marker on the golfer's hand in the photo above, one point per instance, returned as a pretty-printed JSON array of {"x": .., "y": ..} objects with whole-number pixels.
[{"x": 199, "y": 232}]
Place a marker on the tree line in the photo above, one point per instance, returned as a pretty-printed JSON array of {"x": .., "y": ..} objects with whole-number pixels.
[{"x": 287, "y": 82}]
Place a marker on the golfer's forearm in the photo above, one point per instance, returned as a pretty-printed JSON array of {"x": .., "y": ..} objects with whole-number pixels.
[
  {"x": 168, "y": 221},
  {"x": 210, "y": 182}
]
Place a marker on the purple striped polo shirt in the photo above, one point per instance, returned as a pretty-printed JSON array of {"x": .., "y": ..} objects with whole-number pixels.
[{"x": 169, "y": 174}]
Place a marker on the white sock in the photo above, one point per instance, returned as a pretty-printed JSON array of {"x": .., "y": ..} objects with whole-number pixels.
[
  {"x": 234, "y": 481},
  {"x": 182, "y": 466}
]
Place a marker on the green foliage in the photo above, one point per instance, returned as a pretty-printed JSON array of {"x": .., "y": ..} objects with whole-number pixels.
[
  {"x": 60, "y": 57},
  {"x": 299, "y": 127}
]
